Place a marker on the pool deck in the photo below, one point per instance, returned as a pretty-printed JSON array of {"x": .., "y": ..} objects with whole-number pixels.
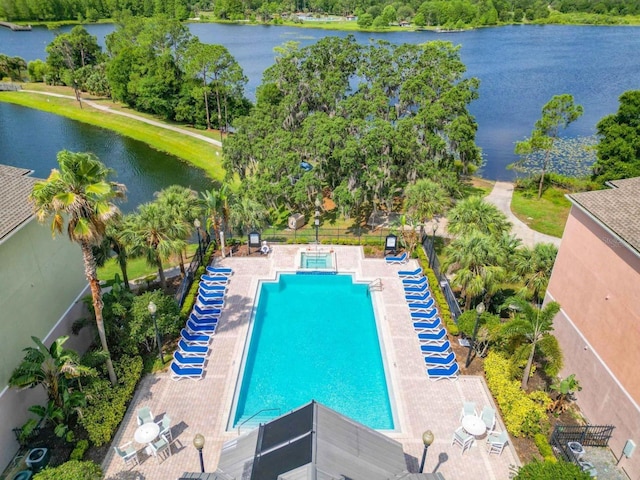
[{"x": 204, "y": 406}]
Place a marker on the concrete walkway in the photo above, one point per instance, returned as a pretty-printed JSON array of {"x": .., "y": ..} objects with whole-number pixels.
[
  {"x": 500, "y": 196},
  {"x": 105, "y": 108}
]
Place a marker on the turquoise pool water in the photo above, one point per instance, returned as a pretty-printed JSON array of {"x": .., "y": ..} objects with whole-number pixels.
[
  {"x": 314, "y": 337},
  {"x": 316, "y": 260}
]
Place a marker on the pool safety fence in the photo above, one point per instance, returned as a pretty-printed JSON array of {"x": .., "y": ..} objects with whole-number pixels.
[
  {"x": 585, "y": 435},
  {"x": 204, "y": 240},
  {"x": 329, "y": 236},
  {"x": 429, "y": 249}
]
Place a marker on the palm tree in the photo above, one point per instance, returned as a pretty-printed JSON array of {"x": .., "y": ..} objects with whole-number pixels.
[
  {"x": 533, "y": 267},
  {"x": 246, "y": 213},
  {"x": 112, "y": 243},
  {"x": 474, "y": 214},
  {"x": 477, "y": 262},
  {"x": 80, "y": 194},
  {"x": 183, "y": 206},
  {"x": 531, "y": 329},
  {"x": 216, "y": 204},
  {"x": 152, "y": 232},
  {"x": 424, "y": 200}
]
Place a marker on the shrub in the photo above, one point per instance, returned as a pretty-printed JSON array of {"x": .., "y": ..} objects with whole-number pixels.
[
  {"x": 71, "y": 470},
  {"x": 106, "y": 404},
  {"x": 524, "y": 414},
  {"x": 538, "y": 470},
  {"x": 438, "y": 296},
  {"x": 544, "y": 448},
  {"x": 79, "y": 450}
]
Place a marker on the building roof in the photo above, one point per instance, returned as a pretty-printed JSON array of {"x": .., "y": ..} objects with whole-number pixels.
[
  {"x": 15, "y": 187},
  {"x": 617, "y": 208},
  {"x": 312, "y": 443}
]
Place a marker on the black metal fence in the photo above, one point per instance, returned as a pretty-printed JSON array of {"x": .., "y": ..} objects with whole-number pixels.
[
  {"x": 585, "y": 435},
  {"x": 203, "y": 243},
  {"x": 357, "y": 235},
  {"x": 430, "y": 251}
]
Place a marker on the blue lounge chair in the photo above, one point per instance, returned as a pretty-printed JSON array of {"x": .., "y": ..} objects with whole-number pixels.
[
  {"x": 420, "y": 326},
  {"x": 414, "y": 281},
  {"x": 401, "y": 259},
  {"x": 210, "y": 302},
  {"x": 214, "y": 279},
  {"x": 433, "y": 338},
  {"x": 207, "y": 294},
  {"x": 219, "y": 271},
  {"x": 206, "y": 312},
  {"x": 185, "y": 361},
  {"x": 195, "y": 339},
  {"x": 203, "y": 320},
  {"x": 413, "y": 289},
  {"x": 438, "y": 373},
  {"x": 437, "y": 350},
  {"x": 196, "y": 328},
  {"x": 178, "y": 372},
  {"x": 424, "y": 315},
  {"x": 411, "y": 273},
  {"x": 421, "y": 306},
  {"x": 196, "y": 350},
  {"x": 212, "y": 288},
  {"x": 418, "y": 297},
  {"x": 442, "y": 361}
]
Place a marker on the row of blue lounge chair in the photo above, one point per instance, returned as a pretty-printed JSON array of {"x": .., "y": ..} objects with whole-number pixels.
[
  {"x": 193, "y": 347},
  {"x": 439, "y": 358}
]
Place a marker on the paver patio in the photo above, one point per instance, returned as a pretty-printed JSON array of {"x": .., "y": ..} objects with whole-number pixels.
[{"x": 204, "y": 406}]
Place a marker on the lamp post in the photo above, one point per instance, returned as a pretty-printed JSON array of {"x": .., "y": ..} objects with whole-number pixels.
[
  {"x": 198, "y": 442},
  {"x": 427, "y": 439},
  {"x": 152, "y": 310},
  {"x": 196, "y": 223},
  {"x": 472, "y": 345},
  {"x": 316, "y": 218}
]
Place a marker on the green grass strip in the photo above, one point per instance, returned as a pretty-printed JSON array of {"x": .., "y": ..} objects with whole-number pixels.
[
  {"x": 198, "y": 153},
  {"x": 546, "y": 215}
]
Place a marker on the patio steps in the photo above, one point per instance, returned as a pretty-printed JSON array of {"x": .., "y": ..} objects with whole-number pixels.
[{"x": 247, "y": 423}]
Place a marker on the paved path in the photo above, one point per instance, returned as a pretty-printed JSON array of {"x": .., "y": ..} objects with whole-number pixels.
[
  {"x": 500, "y": 196},
  {"x": 106, "y": 108}
]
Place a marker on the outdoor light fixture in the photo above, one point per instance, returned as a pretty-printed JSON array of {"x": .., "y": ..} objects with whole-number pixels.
[
  {"x": 152, "y": 310},
  {"x": 472, "y": 345},
  {"x": 316, "y": 218},
  {"x": 427, "y": 439},
  {"x": 198, "y": 442},
  {"x": 196, "y": 223}
]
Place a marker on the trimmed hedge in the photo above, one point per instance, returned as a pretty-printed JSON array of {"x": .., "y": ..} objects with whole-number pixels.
[
  {"x": 544, "y": 447},
  {"x": 438, "y": 296},
  {"x": 538, "y": 470},
  {"x": 524, "y": 414},
  {"x": 190, "y": 298},
  {"x": 79, "y": 450},
  {"x": 71, "y": 470},
  {"x": 107, "y": 404}
]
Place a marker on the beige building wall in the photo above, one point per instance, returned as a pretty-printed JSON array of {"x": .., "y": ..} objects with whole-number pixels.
[
  {"x": 41, "y": 286},
  {"x": 596, "y": 280}
]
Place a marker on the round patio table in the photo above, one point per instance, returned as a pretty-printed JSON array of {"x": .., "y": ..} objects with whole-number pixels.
[
  {"x": 473, "y": 425},
  {"x": 146, "y": 433}
]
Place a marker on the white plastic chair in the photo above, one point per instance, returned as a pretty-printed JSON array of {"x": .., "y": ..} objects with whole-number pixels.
[
  {"x": 159, "y": 446},
  {"x": 468, "y": 408},
  {"x": 145, "y": 416},
  {"x": 462, "y": 438},
  {"x": 165, "y": 427},
  {"x": 488, "y": 416},
  {"x": 128, "y": 454},
  {"x": 497, "y": 441}
]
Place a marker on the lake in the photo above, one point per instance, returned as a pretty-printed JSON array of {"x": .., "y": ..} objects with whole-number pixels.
[{"x": 520, "y": 68}]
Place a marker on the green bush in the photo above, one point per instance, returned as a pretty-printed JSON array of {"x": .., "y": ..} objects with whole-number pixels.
[
  {"x": 79, "y": 450},
  {"x": 524, "y": 414},
  {"x": 106, "y": 404},
  {"x": 537, "y": 470},
  {"x": 71, "y": 470},
  {"x": 544, "y": 448},
  {"x": 438, "y": 296}
]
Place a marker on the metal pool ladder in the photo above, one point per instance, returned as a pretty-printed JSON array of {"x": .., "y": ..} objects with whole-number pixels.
[{"x": 376, "y": 285}]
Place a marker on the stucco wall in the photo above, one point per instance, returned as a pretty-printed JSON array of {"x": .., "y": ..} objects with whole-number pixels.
[
  {"x": 595, "y": 279},
  {"x": 41, "y": 280}
]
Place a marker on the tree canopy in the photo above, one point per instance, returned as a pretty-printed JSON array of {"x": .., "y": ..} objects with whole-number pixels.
[{"x": 368, "y": 119}]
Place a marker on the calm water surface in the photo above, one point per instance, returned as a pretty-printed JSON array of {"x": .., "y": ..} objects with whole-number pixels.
[
  {"x": 520, "y": 68},
  {"x": 31, "y": 139}
]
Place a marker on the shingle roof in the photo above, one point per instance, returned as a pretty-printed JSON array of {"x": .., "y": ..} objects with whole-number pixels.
[
  {"x": 15, "y": 187},
  {"x": 617, "y": 208}
]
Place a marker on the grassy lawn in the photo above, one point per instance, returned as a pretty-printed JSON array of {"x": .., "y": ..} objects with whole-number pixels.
[
  {"x": 137, "y": 267},
  {"x": 196, "y": 152},
  {"x": 547, "y": 215}
]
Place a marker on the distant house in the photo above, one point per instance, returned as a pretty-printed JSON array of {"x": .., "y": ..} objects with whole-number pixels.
[
  {"x": 596, "y": 280},
  {"x": 312, "y": 443},
  {"x": 41, "y": 281}
]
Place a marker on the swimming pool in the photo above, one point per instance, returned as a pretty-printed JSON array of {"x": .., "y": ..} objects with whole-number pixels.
[{"x": 314, "y": 337}]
